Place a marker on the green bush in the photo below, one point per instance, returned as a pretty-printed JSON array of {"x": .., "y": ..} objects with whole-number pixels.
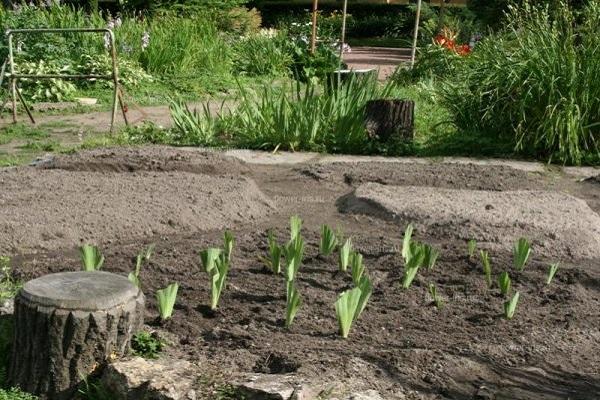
[
  {"x": 15, "y": 394},
  {"x": 536, "y": 82},
  {"x": 263, "y": 55}
]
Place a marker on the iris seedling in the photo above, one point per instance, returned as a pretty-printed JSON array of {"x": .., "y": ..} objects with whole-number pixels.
[
  {"x": 350, "y": 304},
  {"x": 293, "y": 303},
  {"x": 218, "y": 275},
  {"x": 504, "y": 283},
  {"x": 437, "y": 299},
  {"x": 275, "y": 252},
  {"x": 134, "y": 277},
  {"x": 471, "y": 247},
  {"x": 209, "y": 257},
  {"x": 295, "y": 226},
  {"x": 228, "y": 242},
  {"x": 430, "y": 257},
  {"x": 328, "y": 240},
  {"x": 366, "y": 288},
  {"x": 521, "y": 253},
  {"x": 411, "y": 267},
  {"x": 91, "y": 257},
  {"x": 357, "y": 268},
  {"x": 344, "y": 256},
  {"x": 551, "y": 272},
  {"x": 487, "y": 267},
  {"x": 406, "y": 241},
  {"x": 510, "y": 306},
  {"x": 293, "y": 252},
  {"x": 166, "y": 300}
]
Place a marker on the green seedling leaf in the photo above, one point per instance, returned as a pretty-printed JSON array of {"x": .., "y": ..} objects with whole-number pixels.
[
  {"x": 487, "y": 267},
  {"x": 218, "y": 276},
  {"x": 357, "y": 267},
  {"x": 346, "y": 307},
  {"x": 430, "y": 257},
  {"x": 275, "y": 252},
  {"x": 510, "y": 306},
  {"x": 411, "y": 267},
  {"x": 551, "y": 272},
  {"x": 366, "y": 289},
  {"x": 437, "y": 300},
  {"x": 208, "y": 258},
  {"x": 521, "y": 253},
  {"x": 471, "y": 247},
  {"x": 293, "y": 303},
  {"x": 504, "y": 283},
  {"x": 328, "y": 240},
  {"x": 344, "y": 255},
  {"x": 406, "y": 241},
  {"x": 295, "y": 226},
  {"x": 143, "y": 256},
  {"x": 91, "y": 258},
  {"x": 228, "y": 242},
  {"x": 166, "y": 300},
  {"x": 293, "y": 252}
]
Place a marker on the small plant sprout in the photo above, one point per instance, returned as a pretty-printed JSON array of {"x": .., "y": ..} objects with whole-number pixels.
[
  {"x": 328, "y": 240},
  {"x": 356, "y": 267},
  {"x": 275, "y": 252},
  {"x": 293, "y": 252},
  {"x": 344, "y": 256},
  {"x": 411, "y": 267},
  {"x": 209, "y": 257},
  {"x": 510, "y": 306},
  {"x": 406, "y": 241},
  {"x": 471, "y": 247},
  {"x": 487, "y": 267},
  {"x": 551, "y": 272},
  {"x": 218, "y": 275},
  {"x": 293, "y": 303},
  {"x": 504, "y": 283},
  {"x": 350, "y": 304},
  {"x": 91, "y": 257},
  {"x": 437, "y": 299},
  {"x": 295, "y": 226},
  {"x": 521, "y": 253},
  {"x": 430, "y": 256},
  {"x": 228, "y": 242},
  {"x": 147, "y": 345},
  {"x": 166, "y": 300},
  {"x": 143, "y": 256},
  {"x": 366, "y": 289}
]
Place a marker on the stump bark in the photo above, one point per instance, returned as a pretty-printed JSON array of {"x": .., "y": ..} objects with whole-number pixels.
[
  {"x": 67, "y": 325},
  {"x": 387, "y": 118}
]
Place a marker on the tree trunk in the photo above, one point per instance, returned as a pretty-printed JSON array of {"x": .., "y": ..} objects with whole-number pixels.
[
  {"x": 385, "y": 119},
  {"x": 69, "y": 324}
]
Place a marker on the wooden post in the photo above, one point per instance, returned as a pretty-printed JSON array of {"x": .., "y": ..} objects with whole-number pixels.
[
  {"x": 343, "y": 39},
  {"x": 313, "y": 39},
  {"x": 67, "y": 325},
  {"x": 413, "y": 51}
]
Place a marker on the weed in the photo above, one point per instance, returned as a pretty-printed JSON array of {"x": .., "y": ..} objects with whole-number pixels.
[
  {"x": 357, "y": 267},
  {"x": 487, "y": 267},
  {"x": 504, "y": 283},
  {"x": 551, "y": 272},
  {"x": 344, "y": 255},
  {"x": 166, "y": 300},
  {"x": 9, "y": 287},
  {"x": 521, "y": 252},
  {"x": 147, "y": 345},
  {"x": 16, "y": 394},
  {"x": 510, "y": 306},
  {"x": 91, "y": 258},
  {"x": 328, "y": 240},
  {"x": 437, "y": 299}
]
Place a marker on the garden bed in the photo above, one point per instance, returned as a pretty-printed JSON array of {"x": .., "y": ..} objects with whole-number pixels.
[{"x": 402, "y": 346}]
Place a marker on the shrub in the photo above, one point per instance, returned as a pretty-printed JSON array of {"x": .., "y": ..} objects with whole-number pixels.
[
  {"x": 147, "y": 345},
  {"x": 535, "y": 83},
  {"x": 264, "y": 54}
]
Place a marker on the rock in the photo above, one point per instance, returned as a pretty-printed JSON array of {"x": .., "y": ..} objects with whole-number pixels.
[
  {"x": 484, "y": 393},
  {"x": 366, "y": 395},
  {"x": 162, "y": 379},
  {"x": 7, "y": 307},
  {"x": 279, "y": 387}
]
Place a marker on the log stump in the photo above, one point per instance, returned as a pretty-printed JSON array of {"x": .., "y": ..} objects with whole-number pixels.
[
  {"x": 67, "y": 325},
  {"x": 389, "y": 118}
]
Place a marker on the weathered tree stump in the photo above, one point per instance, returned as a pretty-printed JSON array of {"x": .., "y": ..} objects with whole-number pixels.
[
  {"x": 67, "y": 325},
  {"x": 387, "y": 118}
]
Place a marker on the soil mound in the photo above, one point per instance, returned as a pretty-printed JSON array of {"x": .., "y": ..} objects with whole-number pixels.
[
  {"x": 558, "y": 224},
  {"x": 87, "y": 201}
]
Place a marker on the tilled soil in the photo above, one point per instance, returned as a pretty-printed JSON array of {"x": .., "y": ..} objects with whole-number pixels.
[{"x": 401, "y": 346}]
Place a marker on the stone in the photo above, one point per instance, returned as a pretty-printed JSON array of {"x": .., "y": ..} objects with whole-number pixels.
[
  {"x": 69, "y": 324},
  {"x": 366, "y": 395},
  {"x": 161, "y": 379},
  {"x": 279, "y": 387}
]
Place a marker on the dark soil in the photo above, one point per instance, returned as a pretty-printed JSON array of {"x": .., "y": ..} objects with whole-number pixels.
[{"x": 402, "y": 345}]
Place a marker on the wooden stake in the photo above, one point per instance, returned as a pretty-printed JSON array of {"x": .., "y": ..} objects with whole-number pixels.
[
  {"x": 313, "y": 39},
  {"x": 413, "y": 51}
]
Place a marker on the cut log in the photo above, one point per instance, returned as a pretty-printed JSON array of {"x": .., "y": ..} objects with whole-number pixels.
[
  {"x": 67, "y": 325},
  {"x": 390, "y": 118}
]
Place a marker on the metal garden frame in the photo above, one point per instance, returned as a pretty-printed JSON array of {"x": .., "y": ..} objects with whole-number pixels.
[{"x": 14, "y": 77}]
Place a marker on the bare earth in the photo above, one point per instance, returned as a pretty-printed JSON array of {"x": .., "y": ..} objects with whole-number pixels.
[{"x": 183, "y": 199}]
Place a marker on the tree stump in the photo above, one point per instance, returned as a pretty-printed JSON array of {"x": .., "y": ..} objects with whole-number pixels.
[
  {"x": 67, "y": 325},
  {"x": 387, "y": 118}
]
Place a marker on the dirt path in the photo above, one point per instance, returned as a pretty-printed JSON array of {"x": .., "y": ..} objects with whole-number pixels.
[
  {"x": 182, "y": 199},
  {"x": 383, "y": 59}
]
